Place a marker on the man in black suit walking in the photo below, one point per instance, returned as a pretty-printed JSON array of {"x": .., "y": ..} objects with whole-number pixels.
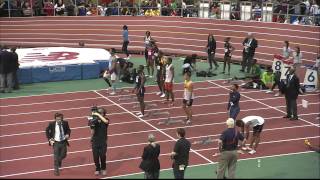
[
  {"x": 58, "y": 133},
  {"x": 291, "y": 91},
  {"x": 180, "y": 154},
  {"x": 150, "y": 159},
  {"x": 249, "y": 47}
]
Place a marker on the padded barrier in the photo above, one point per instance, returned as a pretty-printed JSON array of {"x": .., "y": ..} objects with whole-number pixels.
[
  {"x": 56, "y": 73},
  {"x": 90, "y": 71},
  {"x": 25, "y": 75},
  {"x": 104, "y": 64}
]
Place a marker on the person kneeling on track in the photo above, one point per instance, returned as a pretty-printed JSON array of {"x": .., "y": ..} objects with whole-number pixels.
[{"x": 256, "y": 123}]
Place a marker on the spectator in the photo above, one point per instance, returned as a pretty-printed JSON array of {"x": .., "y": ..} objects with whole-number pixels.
[
  {"x": 286, "y": 51},
  {"x": 228, "y": 143},
  {"x": 211, "y": 50},
  {"x": 15, "y": 64},
  {"x": 233, "y": 104},
  {"x": 58, "y": 132},
  {"x": 256, "y": 123},
  {"x": 180, "y": 155},
  {"x": 99, "y": 138},
  {"x": 291, "y": 91},
  {"x": 250, "y": 44},
  {"x": 26, "y": 9},
  {"x": 6, "y": 71},
  {"x": 150, "y": 159},
  {"x": 59, "y": 8},
  {"x": 48, "y": 8},
  {"x": 315, "y": 11}
]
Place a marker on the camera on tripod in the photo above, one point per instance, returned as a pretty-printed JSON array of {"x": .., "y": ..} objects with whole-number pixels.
[{"x": 93, "y": 119}]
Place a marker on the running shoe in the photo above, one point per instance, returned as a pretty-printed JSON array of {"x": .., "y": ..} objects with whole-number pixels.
[
  {"x": 159, "y": 93},
  {"x": 277, "y": 94},
  {"x": 252, "y": 152},
  {"x": 163, "y": 95},
  {"x": 269, "y": 91},
  {"x": 112, "y": 93},
  {"x": 141, "y": 116}
]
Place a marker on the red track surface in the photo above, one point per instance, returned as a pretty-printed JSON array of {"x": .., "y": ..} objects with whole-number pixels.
[
  {"x": 174, "y": 35},
  {"x": 24, "y": 151}
]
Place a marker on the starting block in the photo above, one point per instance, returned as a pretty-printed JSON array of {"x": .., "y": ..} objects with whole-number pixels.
[
  {"x": 233, "y": 80},
  {"x": 124, "y": 91},
  {"x": 126, "y": 98},
  {"x": 169, "y": 121},
  {"x": 157, "y": 113},
  {"x": 147, "y": 105},
  {"x": 204, "y": 141}
]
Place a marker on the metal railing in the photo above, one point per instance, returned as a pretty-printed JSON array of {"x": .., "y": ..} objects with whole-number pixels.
[{"x": 213, "y": 9}]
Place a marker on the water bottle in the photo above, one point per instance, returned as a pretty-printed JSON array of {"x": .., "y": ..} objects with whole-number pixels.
[{"x": 259, "y": 163}]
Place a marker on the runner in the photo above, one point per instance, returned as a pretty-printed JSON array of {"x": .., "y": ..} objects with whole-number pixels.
[
  {"x": 160, "y": 64},
  {"x": 140, "y": 90},
  {"x": 114, "y": 70},
  {"x": 188, "y": 97},
  {"x": 169, "y": 81},
  {"x": 256, "y": 123}
]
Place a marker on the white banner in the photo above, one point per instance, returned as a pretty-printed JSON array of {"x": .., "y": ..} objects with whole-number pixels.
[
  {"x": 53, "y": 56},
  {"x": 311, "y": 79}
]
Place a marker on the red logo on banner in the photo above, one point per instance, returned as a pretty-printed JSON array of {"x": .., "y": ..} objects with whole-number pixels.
[{"x": 53, "y": 56}]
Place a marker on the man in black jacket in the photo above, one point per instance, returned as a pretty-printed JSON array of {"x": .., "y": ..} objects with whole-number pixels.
[
  {"x": 58, "y": 133},
  {"x": 180, "y": 154},
  {"x": 15, "y": 66},
  {"x": 150, "y": 159},
  {"x": 99, "y": 132},
  {"x": 249, "y": 47},
  {"x": 211, "y": 50},
  {"x": 291, "y": 91},
  {"x": 6, "y": 70}
]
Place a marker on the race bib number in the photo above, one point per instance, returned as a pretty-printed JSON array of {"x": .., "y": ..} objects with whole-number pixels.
[
  {"x": 137, "y": 79},
  {"x": 149, "y": 53},
  {"x": 285, "y": 71},
  {"x": 277, "y": 65},
  {"x": 225, "y": 50},
  {"x": 311, "y": 79},
  {"x": 155, "y": 54},
  {"x": 158, "y": 67}
]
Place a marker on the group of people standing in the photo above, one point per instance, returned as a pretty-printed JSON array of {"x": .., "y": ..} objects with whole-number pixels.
[{"x": 9, "y": 66}]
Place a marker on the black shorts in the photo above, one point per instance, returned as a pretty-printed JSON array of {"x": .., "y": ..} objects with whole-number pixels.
[
  {"x": 257, "y": 129},
  {"x": 141, "y": 92},
  {"x": 185, "y": 102}
]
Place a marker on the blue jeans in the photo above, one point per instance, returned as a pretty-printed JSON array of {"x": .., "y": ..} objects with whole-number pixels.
[
  {"x": 6, "y": 80},
  {"x": 178, "y": 174},
  {"x": 233, "y": 112}
]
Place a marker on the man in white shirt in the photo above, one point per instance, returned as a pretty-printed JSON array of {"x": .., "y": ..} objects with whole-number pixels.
[{"x": 256, "y": 123}]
